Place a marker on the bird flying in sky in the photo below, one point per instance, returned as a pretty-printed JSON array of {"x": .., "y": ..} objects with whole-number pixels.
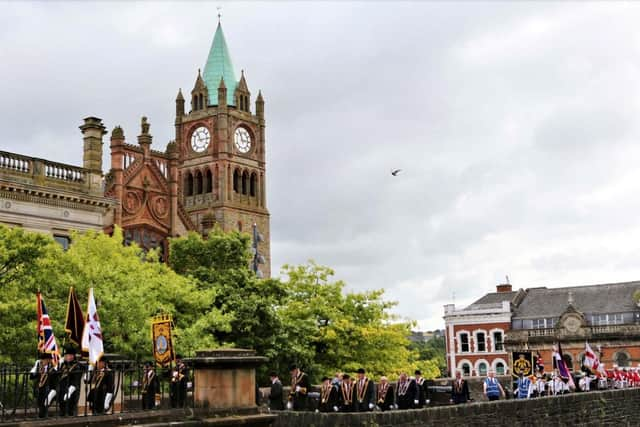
[{"x": 395, "y": 172}]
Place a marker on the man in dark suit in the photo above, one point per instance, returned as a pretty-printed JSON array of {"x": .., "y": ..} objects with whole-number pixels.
[
  {"x": 178, "y": 386},
  {"x": 386, "y": 397},
  {"x": 346, "y": 395},
  {"x": 421, "y": 390},
  {"x": 276, "y": 402},
  {"x": 102, "y": 387},
  {"x": 459, "y": 390},
  {"x": 150, "y": 386},
  {"x": 406, "y": 392},
  {"x": 300, "y": 385},
  {"x": 365, "y": 399},
  {"x": 328, "y": 396},
  {"x": 69, "y": 382},
  {"x": 45, "y": 375}
]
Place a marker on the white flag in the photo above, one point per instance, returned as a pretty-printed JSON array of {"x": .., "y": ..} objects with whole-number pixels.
[{"x": 92, "y": 333}]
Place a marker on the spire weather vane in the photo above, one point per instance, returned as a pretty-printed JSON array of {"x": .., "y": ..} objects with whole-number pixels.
[{"x": 219, "y": 9}]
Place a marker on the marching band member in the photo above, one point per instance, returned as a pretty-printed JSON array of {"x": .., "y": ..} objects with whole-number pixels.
[
  {"x": 45, "y": 375},
  {"x": 69, "y": 382}
]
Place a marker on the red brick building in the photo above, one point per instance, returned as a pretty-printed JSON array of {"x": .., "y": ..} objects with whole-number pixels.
[{"x": 486, "y": 333}]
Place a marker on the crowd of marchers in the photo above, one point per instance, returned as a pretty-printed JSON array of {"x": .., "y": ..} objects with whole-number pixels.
[{"x": 343, "y": 393}]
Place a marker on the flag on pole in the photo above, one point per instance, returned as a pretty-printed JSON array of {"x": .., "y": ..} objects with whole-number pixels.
[
  {"x": 46, "y": 339},
  {"x": 92, "y": 333},
  {"x": 74, "y": 325},
  {"x": 590, "y": 359},
  {"x": 562, "y": 367}
]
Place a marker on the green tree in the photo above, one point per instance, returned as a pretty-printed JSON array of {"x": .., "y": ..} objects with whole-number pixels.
[
  {"x": 129, "y": 286},
  {"x": 433, "y": 350}
]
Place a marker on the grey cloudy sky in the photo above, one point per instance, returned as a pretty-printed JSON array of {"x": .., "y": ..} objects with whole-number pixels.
[{"x": 515, "y": 125}]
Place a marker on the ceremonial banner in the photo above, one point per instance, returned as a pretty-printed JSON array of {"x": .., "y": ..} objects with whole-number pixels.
[
  {"x": 46, "y": 340},
  {"x": 74, "y": 325},
  {"x": 522, "y": 363},
  {"x": 92, "y": 333},
  {"x": 162, "y": 339}
]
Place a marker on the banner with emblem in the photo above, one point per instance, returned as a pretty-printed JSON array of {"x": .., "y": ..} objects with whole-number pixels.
[
  {"x": 162, "y": 339},
  {"x": 522, "y": 363}
]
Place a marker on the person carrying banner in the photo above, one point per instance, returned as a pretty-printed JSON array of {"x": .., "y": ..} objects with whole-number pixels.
[
  {"x": 150, "y": 386},
  {"x": 276, "y": 402},
  {"x": 44, "y": 374},
  {"x": 178, "y": 387},
  {"x": 491, "y": 388},
  {"x": 70, "y": 376},
  {"x": 102, "y": 386}
]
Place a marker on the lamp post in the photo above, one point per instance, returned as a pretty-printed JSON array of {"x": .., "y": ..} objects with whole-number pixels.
[{"x": 257, "y": 258}]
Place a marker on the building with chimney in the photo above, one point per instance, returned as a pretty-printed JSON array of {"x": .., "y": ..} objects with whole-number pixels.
[
  {"x": 212, "y": 173},
  {"x": 501, "y": 325}
]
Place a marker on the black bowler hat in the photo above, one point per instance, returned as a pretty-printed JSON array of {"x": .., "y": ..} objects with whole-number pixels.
[
  {"x": 361, "y": 371},
  {"x": 345, "y": 376},
  {"x": 178, "y": 356},
  {"x": 292, "y": 367},
  {"x": 273, "y": 374},
  {"x": 417, "y": 372},
  {"x": 325, "y": 379},
  {"x": 70, "y": 349},
  {"x": 148, "y": 363},
  {"x": 44, "y": 356}
]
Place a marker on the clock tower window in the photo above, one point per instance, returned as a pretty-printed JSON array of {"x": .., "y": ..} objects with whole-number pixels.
[
  {"x": 188, "y": 184},
  {"x": 245, "y": 182},
  {"x": 253, "y": 184},
  {"x": 198, "y": 183},
  {"x": 236, "y": 181},
  {"x": 208, "y": 183}
]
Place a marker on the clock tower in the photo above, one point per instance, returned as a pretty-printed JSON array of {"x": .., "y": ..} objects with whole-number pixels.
[{"x": 220, "y": 145}]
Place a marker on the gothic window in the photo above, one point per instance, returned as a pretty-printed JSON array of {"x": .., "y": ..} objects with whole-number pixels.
[
  {"x": 188, "y": 190},
  {"x": 497, "y": 341},
  {"x": 200, "y": 102},
  {"x": 236, "y": 181},
  {"x": 481, "y": 344},
  {"x": 198, "y": 183},
  {"x": 245, "y": 182},
  {"x": 464, "y": 343},
  {"x": 208, "y": 183},
  {"x": 253, "y": 184},
  {"x": 499, "y": 368}
]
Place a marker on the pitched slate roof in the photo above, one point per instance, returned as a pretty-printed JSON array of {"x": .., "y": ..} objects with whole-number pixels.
[
  {"x": 552, "y": 302},
  {"x": 493, "y": 298}
]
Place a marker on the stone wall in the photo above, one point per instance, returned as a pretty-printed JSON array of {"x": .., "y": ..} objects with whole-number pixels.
[{"x": 603, "y": 408}]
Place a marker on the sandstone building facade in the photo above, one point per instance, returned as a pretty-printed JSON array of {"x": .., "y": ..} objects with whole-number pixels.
[{"x": 214, "y": 172}]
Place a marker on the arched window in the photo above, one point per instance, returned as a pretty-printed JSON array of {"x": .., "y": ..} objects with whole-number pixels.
[
  {"x": 253, "y": 185},
  {"x": 200, "y": 106},
  {"x": 482, "y": 369},
  {"x": 499, "y": 368},
  {"x": 466, "y": 369},
  {"x": 464, "y": 342},
  {"x": 188, "y": 184},
  {"x": 245, "y": 182},
  {"x": 568, "y": 360},
  {"x": 236, "y": 181},
  {"x": 198, "y": 183},
  {"x": 208, "y": 182},
  {"x": 622, "y": 359}
]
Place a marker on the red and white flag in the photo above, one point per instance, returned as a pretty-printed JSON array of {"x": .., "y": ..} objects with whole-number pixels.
[
  {"x": 92, "y": 333},
  {"x": 591, "y": 360}
]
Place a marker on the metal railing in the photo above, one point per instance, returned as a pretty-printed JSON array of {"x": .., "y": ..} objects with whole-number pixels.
[{"x": 19, "y": 395}]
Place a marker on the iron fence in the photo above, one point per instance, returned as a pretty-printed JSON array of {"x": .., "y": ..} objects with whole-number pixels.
[{"x": 19, "y": 394}]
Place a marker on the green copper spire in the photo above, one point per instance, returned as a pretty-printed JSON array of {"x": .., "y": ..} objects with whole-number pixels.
[{"x": 218, "y": 66}]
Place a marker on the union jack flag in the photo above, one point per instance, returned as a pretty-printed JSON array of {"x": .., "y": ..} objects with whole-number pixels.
[{"x": 46, "y": 339}]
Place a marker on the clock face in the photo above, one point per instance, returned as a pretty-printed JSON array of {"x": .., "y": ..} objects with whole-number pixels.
[
  {"x": 200, "y": 139},
  {"x": 242, "y": 140}
]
